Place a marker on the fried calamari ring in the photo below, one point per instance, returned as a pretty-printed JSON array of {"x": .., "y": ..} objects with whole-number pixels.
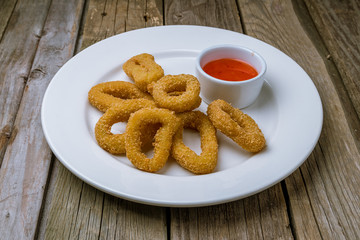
[
  {"x": 187, "y": 158},
  {"x": 115, "y": 143},
  {"x": 165, "y": 91},
  {"x": 237, "y": 125},
  {"x": 163, "y": 137},
  {"x": 143, "y": 70},
  {"x": 104, "y": 95}
]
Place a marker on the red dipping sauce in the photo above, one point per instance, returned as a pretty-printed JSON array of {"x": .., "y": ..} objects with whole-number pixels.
[{"x": 229, "y": 69}]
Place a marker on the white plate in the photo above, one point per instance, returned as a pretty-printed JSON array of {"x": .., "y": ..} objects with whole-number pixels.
[{"x": 288, "y": 111}]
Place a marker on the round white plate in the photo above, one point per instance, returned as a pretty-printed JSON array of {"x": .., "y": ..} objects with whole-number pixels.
[{"x": 289, "y": 112}]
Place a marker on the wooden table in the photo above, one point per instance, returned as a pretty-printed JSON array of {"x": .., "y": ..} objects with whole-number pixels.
[{"x": 41, "y": 199}]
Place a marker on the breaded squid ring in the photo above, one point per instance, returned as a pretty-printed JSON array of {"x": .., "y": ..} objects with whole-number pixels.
[
  {"x": 163, "y": 137},
  {"x": 104, "y": 95},
  {"x": 143, "y": 70},
  {"x": 237, "y": 125},
  {"x": 115, "y": 143},
  {"x": 187, "y": 158},
  {"x": 162, "y": 92},
  {"x": 178, "y": 93}
]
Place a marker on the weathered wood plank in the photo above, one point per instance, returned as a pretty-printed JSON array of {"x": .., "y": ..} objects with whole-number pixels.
[
  {"x": 336, "y": 203},
  {"x": 338, "y": 24},
  {"x": 302, "y": 215},
  {"x": 154, "y": 13},
  {"x": 59, "y": 225},
  {"x": 214, "y": 13},
  {"x": 24, "y": 171},
  {"x": 133, "y": 221},
  {"x": 350, "y": 111},
  {"x": 15, "y": 62},
  {"x": 6, "y": 10},
  {"x": 274, "y": 218},
  {"x": 91, "y": 213},
  {"x": 25, "y": 26},
  {"x": 260, "y": 216},
  {"x": 331, "y": 174},
  {"x": 105, "y": 19}
]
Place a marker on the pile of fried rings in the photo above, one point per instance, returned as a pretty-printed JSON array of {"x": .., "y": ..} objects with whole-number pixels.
[{"x": 157, "y": 108}]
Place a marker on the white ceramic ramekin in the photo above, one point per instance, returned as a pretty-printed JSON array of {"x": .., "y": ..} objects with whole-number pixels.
[{"x": 239, "y": 93}]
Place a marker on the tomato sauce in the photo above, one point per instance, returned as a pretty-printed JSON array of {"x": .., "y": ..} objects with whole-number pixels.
[{"x": 229, "y": 69}]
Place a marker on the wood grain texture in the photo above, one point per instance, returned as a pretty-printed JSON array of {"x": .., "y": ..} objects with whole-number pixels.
[
  {"x": 6, "y": 10},
  {"x": 103, "y": 19},
  {"x": 331, "y": 174},
  {"x": 144, "y": 13},
  {"x": 25, "y": 26},
  {"x": 302, "y": 215},
  {"x": 261, "y": 216},
  {"x": 310, "y": 27},
  {"x": 127, "y": 220},
  {"x": 107, "y": 18},
  {"x": 63, "y": 206},
  {"x": 15, "y": 61},
  {"x": 213, "y": 13},
  {"x": 24, "y": 171},
  {"x": 92, "y": 214},
  {"x": 338, "y": 24}
]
